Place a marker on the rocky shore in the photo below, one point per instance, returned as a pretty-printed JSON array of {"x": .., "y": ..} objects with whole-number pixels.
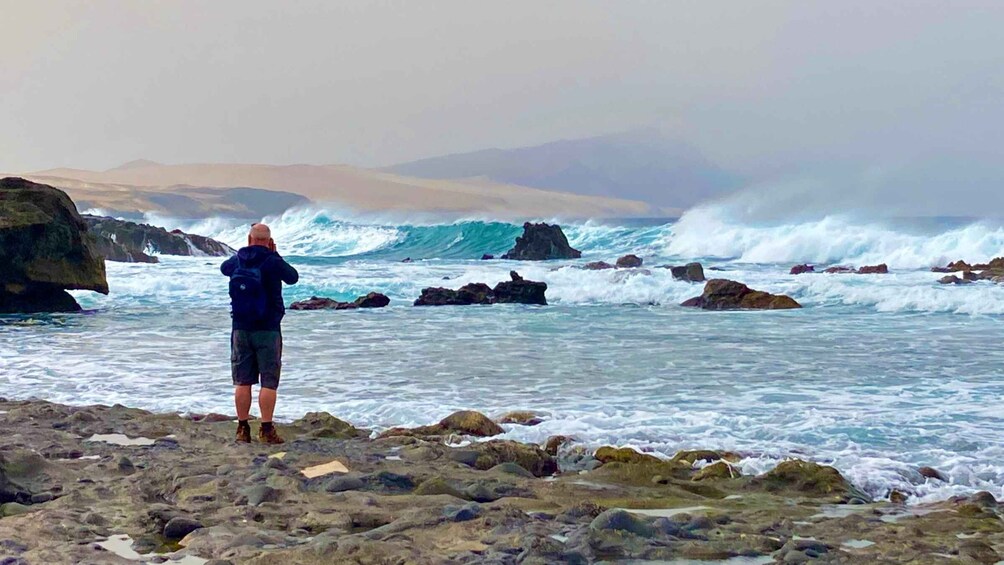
[{"x": 118, "y": 485}]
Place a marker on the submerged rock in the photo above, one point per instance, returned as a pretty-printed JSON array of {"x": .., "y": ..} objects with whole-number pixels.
[
  {"x": 952, "y": 279},
  {"x": 515, "y": 291},
  {"x": 839, "y": 270},
  {"x": 598, "y": 266},
  {"x": 120, "y": 240},
  {"x": 521, "y": 417},
  {"x": 541, "y": 242},
  {"x": 802, "y": 269},
  {"x": 722, "y": 294},
  {"x": 629, "y": 262},
  {"x": 691, "y": 272},
  {"x": 371, "y": 300},
  {"x": 882, "y": 269},
  {"x": 45, "y": 249},
  {"x": 520, "y": 291},
  {"x": 932, "y": 473}
]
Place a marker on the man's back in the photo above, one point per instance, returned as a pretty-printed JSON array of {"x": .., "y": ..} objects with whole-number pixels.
[{"x": 274, "y": 271}]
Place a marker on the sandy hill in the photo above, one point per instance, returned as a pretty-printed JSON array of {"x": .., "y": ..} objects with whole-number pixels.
[{"x": 145, "y": 184}]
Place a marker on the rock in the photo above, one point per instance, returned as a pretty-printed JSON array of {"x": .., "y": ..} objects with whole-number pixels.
[
  {"x": 464, "y": 422},
  {"x": 608, "y": 454},
  {"x": 438, "y": 485},
  {"x": 13, "y": 509},
  {"x": 691, "y": 272},
  {"x": 978, "y": 551},
  {"x": 126, "y": 466},
  {"x": 473, "y": 293},
  {"x": 984, "y": 499},
  {"x": 260, "y": 494},
  {"x": 597, "y": 266},
  {"x": 839, "y": 270},
  {"x": 344, "y": 483},
  {"x": 808, "y": 479},
  {"x": 874, "y": 269},
  {"x": 952, "y": 279},
  {"x": 554, "y": 444},
  {"x": 120, "y": 240},
  {"x": 324, "y": 425},
  {"x": 718, "y": 470},
  {"x": 510, "y": 468},
  {"x": 529, "y": 457},
  {"x": 407, "y": 260},
  {"x": 179, "y": 527},
  {"x": 722, "y": 294},
  {"x": 629, "y": 262},
  {"x": 467, "y": 457},
  {"x": 541, "y": 242},
  {"x": 487, "y": 257},
  {"x": 692, "y": 456},
  {"x": 897, "y": 497},
  {"x": 371, "y": 300},
  {"x": 932, "y": 473},
  {"x": 462, "y": 513},
  {"x": 621, "y": 520},
  {"x": 519, "y": 291},
  {"x": 959, "y": 265},
  {"x": 45, "y": 249},
  {"x": 390, "y": 482},
  {"x": 802, "y": 269},
  {"x": 521, "y": 417}
]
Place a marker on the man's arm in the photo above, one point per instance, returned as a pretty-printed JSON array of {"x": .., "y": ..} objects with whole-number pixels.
[
  {"x": 287, "y": 273},
  {"x": 228, "y": 266}
]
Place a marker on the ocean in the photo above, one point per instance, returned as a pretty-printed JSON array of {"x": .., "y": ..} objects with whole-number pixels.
[{"x": 876, "y": 375}]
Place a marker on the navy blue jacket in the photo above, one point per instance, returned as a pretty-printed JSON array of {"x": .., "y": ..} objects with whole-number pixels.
[{"x": 274, "y": 272}]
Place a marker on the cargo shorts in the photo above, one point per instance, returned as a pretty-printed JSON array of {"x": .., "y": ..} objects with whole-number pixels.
[{"x": 256, "y": 357}]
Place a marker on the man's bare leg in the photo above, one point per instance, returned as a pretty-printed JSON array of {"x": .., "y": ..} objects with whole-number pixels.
[
  {"x": 266, "y": 403},
  {"x": 242, "y": 401}
]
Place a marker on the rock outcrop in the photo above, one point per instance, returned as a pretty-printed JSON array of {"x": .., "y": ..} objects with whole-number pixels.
[
  {"x": 541, "y": 242},
  {"x": 515, "y": 291},
  {"x": 691, "y": 272},
  {"x": 629, "y": 262},
  {"x": 120, "y": 240},
  {"x": 371, "y": 300},
  {"x": 45, "y": 249},
  {"x": 597, "y": 266},
  {"x": 802, "y": 269},
  {"x": 722, "y": 294},
  {"x": 881, "y": 269},
  {"x": 953, "y": 279}
]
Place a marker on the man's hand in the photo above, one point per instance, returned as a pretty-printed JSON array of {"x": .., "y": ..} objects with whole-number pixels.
[{"x": 271, "y": 244}]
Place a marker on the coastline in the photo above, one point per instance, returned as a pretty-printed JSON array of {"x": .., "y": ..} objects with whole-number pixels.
[{"x": 408, "y": 496}]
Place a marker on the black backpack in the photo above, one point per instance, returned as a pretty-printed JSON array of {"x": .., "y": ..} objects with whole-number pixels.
[{"x": 247, "y": 294}]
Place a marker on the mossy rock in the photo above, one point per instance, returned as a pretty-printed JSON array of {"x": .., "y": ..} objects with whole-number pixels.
[
  {"x": 692, "y": 456},
  {"x": 640, "y": 473},
  {"x": 720, "y": 470},
  {"x": 609, "y": 454},
  {"x": 808, "y": 479},
  {"x": 324, "y": 425},
  {"x": 464, "y": 422},
  {"x": 529, "y": 457},
  {"x": 439, "y": 485},
  {"x": 520, "y": 417},
  {"x": 554, "y": 444}
]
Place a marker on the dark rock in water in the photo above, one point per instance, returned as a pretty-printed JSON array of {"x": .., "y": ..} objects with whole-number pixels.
[
  {"x": 953, "y": 279},
  {"x": 406, "y": 260},
  {"x": 516, "y": 291},
  {"x": 801, "y": 269},
  {"x": 119, "y": 240},
  {"x": 809, "y": 479},
  {"x": 487, "y": 256},
  {"x": 180, "y": 527},
  {"x": 519, "y": 291},
  {"x": 45, "y": 249},
  {"x": 371, "y": 300},
  {"x": 882, "y": 269},
  {"x": 629, "y": 262},
  {"x": 521, "y": 417},
  {"x": 722, "y": 294},
  {"x": 691, "y": 272},
  {"x": 597, "y": 266},
  {"x": 541, "y": 242},
  {"x": 839, "y": 270},
  {"x": 464, "y": 422},
  {"x": 932, "y": 473}
]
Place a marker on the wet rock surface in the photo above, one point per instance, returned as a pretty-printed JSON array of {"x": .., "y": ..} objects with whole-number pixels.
[
  {"x": 121, "y": 240},
  {"x": 410, "y": 498},
  {"x": 541, "y": 242},
  {"x": 514, "y": 291},
  {"x": 371, "y": 300},
  {"x": 722, "y": 294},
  {"x": 45, "y": 250}
]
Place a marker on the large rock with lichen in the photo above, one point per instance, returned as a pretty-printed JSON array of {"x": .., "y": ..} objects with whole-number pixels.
[{"x": 45, "y": 250}]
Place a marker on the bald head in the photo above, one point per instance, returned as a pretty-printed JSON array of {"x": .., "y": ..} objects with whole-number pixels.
[{"x": 260, "y": 235}]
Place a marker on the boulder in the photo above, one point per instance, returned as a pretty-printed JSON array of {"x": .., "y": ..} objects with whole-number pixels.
[
  {"x": 722, "y": 294},
  {"x": 519, "y": 291},
  {"x": 530, "y": 457},
  {"x": 609, "y": 454},
  {"x": 487, "y": 257},
  {"x": 716, "y": 471},
  {"x": 691, "y": 272},
  {"x": 882, "y": 269},
  {"x": 324, "y": 425},
  {"x": 959, "y": 265},
  {"x": 541, "y": 242},
  {"x": 464, "y": 422},
  {"x": 624, "y": 521},
  {"x": 801, "y": 269},
  {"x": 371, "y": 300},
  {"x": 629, "y": 262},
  {"x": 521, "y": 417},
  {"x": 808, "y": 479},
  {"x": 839, "y": 270},
  {"x": 597, "y": 266},
  {"x": 932, "y": 473},
  {"x": 120, "y": 240},
  {"x": 179, "y": 527},
  {"x": 953, "y": 279},
  {"x": 45, "y": 249},
  {"x": 473, "y": 293}
]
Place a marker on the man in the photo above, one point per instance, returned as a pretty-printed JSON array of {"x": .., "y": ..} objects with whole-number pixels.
[{"x": 256, "y": 276}]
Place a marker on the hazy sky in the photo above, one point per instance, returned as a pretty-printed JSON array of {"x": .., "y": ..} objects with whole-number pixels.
[{"x": 903, "y": 89}]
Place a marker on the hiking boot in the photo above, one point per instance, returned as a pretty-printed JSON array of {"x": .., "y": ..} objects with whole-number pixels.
[
  {"x": 243, "y": 433},
  {"x": 269, "y": 436}
]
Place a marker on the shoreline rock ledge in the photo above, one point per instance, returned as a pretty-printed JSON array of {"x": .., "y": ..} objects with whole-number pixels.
[
  {"x": 541, "y": 242},
  {"x": 515, "y": 291},
  {"x": 129, "y": 242},
  {"x": 45, "y": 250},
  {"x": 723, "y": 294}
]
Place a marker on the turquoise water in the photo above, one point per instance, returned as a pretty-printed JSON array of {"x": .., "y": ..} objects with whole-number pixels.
[{"x": 876, "y": 375}]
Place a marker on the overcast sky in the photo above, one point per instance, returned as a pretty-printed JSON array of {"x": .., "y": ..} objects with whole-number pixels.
[{"x": 892, "y": 87}]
